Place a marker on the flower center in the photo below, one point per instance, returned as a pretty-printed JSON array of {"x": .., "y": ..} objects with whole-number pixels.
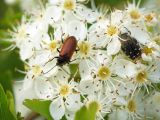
[
  {"x": 157, "y": 40},
  {"x": 64, "y": 90},
  {"x": 21, "y": 33},
  {"x": 36, "y": 70},
  {"x": 112, "y": 30},
  {"x": 147, "y": 50},
  {"x": 131, "y": 106},
  {"x": 149, "y": 17},
  {"x": 69, "y": 4},
  {"x": 135, "y": 14},
  {"x": 141, "y": 77},
  {"x": 84, "y": 47},
  {"x": 104, "y": 73},
  {"x": 52, "y": 45}
]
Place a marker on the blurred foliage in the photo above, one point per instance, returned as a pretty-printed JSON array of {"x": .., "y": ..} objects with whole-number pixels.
[
  {"x": 39, "y": 106},
  {"x": 6, "y": 106},
  {"x": 87, "y": 112},
  {"x": 9, "y": 60},
  {"x": 116, "y": 3},
  {"x": 9, "y": 16}
]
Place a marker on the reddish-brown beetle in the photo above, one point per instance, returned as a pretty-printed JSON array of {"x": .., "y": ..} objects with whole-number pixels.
[{"x": 66, "y": 52}]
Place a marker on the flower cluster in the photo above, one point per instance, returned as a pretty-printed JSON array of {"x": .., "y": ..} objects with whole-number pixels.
[{"x": 116, "y": 61}]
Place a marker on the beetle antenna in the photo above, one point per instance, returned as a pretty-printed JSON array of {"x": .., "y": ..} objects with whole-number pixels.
[
  {"x": 50, "y": 61},
  {"x": 50, "y": 69},
  {"x": 64, "y": 70}
]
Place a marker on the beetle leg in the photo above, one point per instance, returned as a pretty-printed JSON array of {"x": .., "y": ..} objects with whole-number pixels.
[
  {"x": 77, "y": 50},
  {"x": 73, "y": 60},
  {"x": 64, "y": 70},
  {"x": 58, "y": 50},
  {"x": 128, "y": 30}
]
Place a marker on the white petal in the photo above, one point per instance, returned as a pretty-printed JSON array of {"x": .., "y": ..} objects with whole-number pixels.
[
  {"x": 77, "y": 29},
  {"x": 26, "y": 50},
  {"x": 124, "y": 68},
  {"x": 40, "y": 58},
  {"x": 53, "y": 14},
  {"x": 114, "y": 15},
  {"x": 22, "y": 94},
  {"x": 88, "y": 86},
  {"x": 85, "y": 70},
  {"x": 103, "y": 58},
  {"x": 141, "y": 35},
  {"x": 73, "y": 102},
  {"x": 28, "y": 82},
  {"x": 43, "y": 88},
  {"x": 119, "y": 115},
  {"x": 63, "y": 73},
  {"x": 57, "y": 109},
  {"x": 53, "y": 2},
  {"x": 146, "y": 58},
  {"x": 69, "y": 115},
  {"x": 154, "y": 74},
  {"x": 86, "y": 13},
  {"x": 113, "y": 47},
  {"x": 50, "y": 68}
]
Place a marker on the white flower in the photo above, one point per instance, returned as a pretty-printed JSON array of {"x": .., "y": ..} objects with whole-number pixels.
[
  {"x": 22, "y": 94},
  {"x": 103, "y": 102},
  {"x": 152, "y": 107},
  {"x": 144, "y": 76},
  {"x": 65, "y": 98},
  {"x": 106, "y": 33},
  {"x": 150, "y": 19},
  {"x": 133, "y": 109},
  {"x": 124, "y": 68},
  {"x": 133, "y": 12},
  {"x": 151, "y": 52},
  {"x": 73, "y": 6}
]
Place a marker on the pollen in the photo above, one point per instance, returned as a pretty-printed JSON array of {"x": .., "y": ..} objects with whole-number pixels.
[
  {"x": 134, "y": 14},
  {"x": 64, "y": 90},
  {"x": 36, "y": 70},
  {"x": 104, "y": 73},
  {"x": 84, "y": 47},
  {"x": 69, "y": 4},
  {"x": 147, "y": 50},
  {"x": 141, "y": 77},
  {"x": 149, "y": 17},
  {"x": 131, "y": 106},
  {"x": 52, "y": 45},
  {"x": 21, "y": 32},
  {"x": 112, "y": 30}
]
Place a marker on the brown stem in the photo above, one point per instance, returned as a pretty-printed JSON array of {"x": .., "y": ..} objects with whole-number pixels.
[{"x": 32, "y": 116}]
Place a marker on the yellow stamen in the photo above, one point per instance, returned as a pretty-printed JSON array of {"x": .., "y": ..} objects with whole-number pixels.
[
  {"x": 69, "y": 4},
  {"x": 112, "y": 30},
  {"x": 64, "y": 90},
  {"x": 131, "y": 106},
  {"x": 135, "y": 14},
  {"x": 104, "y": 73}
]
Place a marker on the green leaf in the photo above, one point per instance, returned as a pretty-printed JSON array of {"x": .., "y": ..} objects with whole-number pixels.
[
  {"x": 5, "y": 81},
  {"x": 92, "y": 109},
  {"x": 39, "y": 106},
  {"x": 82, "y": 114},
  {"x": 11, "y": 103},
  {"x": 73, "y": 69},
  {"x": 5, "y": 113},
  {"x": 87, "y": 113},
  {"x": 19, "y": 116}
]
